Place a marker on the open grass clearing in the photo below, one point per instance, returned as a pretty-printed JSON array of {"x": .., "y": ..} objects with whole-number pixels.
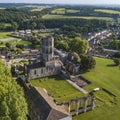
[
  {"x": 57, "y": 87},
  {"x": 58, "y": 11},
  {"x": 48, "y": 16},
  {"x": 107, "y": 11},
  {"x": 107, "y": 76},
  {"x": 72, "y": 11},
  {"x": 4, "y": 34},
  {"x": 14, "y": 42},
  {"x": 39, "y": 8},
  {"x": 44, "y": 34}
]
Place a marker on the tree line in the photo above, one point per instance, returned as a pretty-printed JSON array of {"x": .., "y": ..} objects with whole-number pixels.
[{"x": 12, "y": 102}]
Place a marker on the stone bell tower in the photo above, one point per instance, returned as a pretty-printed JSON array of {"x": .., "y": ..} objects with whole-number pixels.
[{"x": 47, "y": 51}]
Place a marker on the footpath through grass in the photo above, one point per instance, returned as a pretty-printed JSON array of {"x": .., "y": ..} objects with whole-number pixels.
[{"x": 57, "y": 87}]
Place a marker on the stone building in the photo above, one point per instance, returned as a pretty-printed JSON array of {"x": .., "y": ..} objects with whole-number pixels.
[
  {"x": 42, "y": 106},
  {"x": 48, "y": 65},
  {"x": 72, "y": 65}
]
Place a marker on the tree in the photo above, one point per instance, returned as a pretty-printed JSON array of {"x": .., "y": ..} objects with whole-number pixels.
[
  {"x": 78, "y": 45},
  {"x": 12, "y": 102},
  {"x": 62, "y": 45},
  {"x": 33, "y": 25},
  {"x": 116, "y": 61},
  {"x": 14, "y": 26},
  {"x": 87, "y": 63}
]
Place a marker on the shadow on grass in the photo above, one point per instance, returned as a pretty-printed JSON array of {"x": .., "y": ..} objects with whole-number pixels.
[{"x": 111, "y": 65}]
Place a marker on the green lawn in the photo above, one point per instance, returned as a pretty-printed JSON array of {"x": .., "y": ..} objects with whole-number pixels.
[
  {"x": 59, "y": 88},
  {"x": 48, "y": 16},
  {"x": 107, "y": 76},
  {"x": 14, "y": 42},
  {"x": 44, "y": 34},
  {"x": 107, "y": 11},
  {"x": 4, "y": 34}
]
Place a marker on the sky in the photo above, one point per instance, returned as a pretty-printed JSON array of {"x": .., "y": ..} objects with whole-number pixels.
[{"x": 63, "y": 1}]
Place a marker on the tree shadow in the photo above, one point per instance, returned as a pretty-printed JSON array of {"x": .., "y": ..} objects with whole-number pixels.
[{"x": 111, "y": 65}]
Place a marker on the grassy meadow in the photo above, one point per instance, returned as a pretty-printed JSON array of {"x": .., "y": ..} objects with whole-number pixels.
[
  {"x": 60, "y": 89},
  {"x": 58, "y": 11},
  {"x": 63, "y": 11},
  {"x": 5, "y": 38},
  {"x": 106, "y": 76},
  {"x": 4, "y": 34},
  {"x": 48, "y": 16},
  {"x": 107, "y": 11}
]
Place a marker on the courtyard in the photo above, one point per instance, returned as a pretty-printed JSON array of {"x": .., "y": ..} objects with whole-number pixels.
[{"x": 58, "y": 88}]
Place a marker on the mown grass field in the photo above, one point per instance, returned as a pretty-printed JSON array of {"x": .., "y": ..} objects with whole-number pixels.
[
  {"x": 58, "y": 11},
  {"x": 72, "y": 11},
  {"x": 48, "y": 16},
  {"x": 38, "y": 8},
  {"x": 107, "y": 11},
  {"x": 107, "y": 76},
  {"x": 5, "y": 38},
  {"x": 60, "y": 89},
  {"x": 63, "y": 10},
  {"x": 4, "y": 34},
  {"x": 104, "y": 76}
]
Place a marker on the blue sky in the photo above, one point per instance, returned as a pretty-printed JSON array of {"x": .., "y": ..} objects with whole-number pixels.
[{"x": 64, "y": 1}]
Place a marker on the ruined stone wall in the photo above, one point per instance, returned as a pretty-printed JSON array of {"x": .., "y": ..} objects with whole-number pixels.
[{"x": 42, "y": 72}]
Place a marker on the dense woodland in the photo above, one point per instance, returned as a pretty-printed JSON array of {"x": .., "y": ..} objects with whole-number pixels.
[
  {"x": 12, "y": 102},
  {"x": 27, "y": 19}
]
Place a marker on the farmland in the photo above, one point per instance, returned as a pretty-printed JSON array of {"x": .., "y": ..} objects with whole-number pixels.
[
  {"x": 48, "y": 16},
  {"x": 107, "y": 11}
]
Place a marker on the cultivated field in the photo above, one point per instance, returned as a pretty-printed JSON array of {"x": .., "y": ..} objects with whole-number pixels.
[
  {"x": 72, "y": 11},
  {"x": 60, "y": 89},
  {"x": 48, "y": 16},
  {"x": 58, "y": 11},
  {"x": 107, "y": 11},
  {"x": 38, "y": 8},
  {"x": 63, "y": 11}
]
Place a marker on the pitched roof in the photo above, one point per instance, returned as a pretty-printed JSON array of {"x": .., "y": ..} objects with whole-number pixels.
[{"x": 43, "y": 104}]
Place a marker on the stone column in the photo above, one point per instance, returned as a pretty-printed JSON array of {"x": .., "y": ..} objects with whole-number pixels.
[
  {"x": 77, "y": 102},
  {"x": 93, "y": 103},
  {"x": 69, "y": 107},
  {"x": 85, "y": 104}
]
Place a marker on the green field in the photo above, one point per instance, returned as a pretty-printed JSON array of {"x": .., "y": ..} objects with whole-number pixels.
[
  {"x": 58, "y": 11},
  {"x": 107, "y": 76},
  {"x": 60, "y": 89},
  {"x": 44, "y": 34},
  {"x": 107, "y": 11},
  {"x": 72, "y": 11},
  {"x": 38, "y": 8},
  {"x": 4, "y": 34},
  {"x": 14, "y": 42},
  {"x": 48, "y": 16},
  {"x": 63, "y": 10}
]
